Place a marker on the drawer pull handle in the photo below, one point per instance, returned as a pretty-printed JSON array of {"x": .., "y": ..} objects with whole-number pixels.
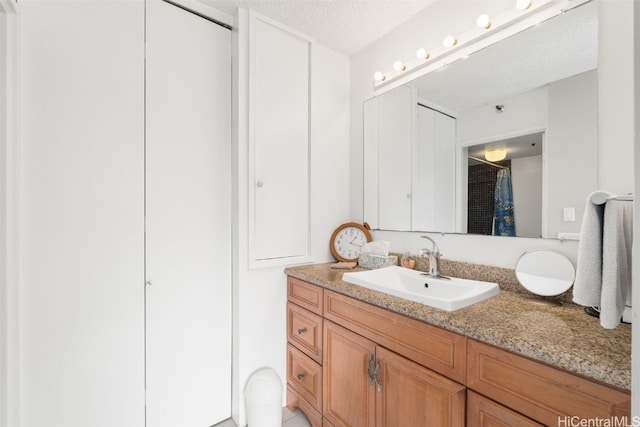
[
  {"x": 302, "y": 331},
  {"x": 300, "y": 376}
]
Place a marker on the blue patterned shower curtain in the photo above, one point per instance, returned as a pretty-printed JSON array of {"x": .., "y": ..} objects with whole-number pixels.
[{"x": 503, "y": 220}]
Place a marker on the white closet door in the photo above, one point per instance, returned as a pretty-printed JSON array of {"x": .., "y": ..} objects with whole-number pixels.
[
  {"x": 81, "y": 214},
  {"x": 188, "y": 219}
]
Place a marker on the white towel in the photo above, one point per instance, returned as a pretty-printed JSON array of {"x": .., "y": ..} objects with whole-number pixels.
[
  {"x": 587, "y": 287},
  {"x": 617, "y": 240}
]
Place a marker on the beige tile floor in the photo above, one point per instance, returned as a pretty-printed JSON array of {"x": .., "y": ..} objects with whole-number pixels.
[{"x": 289, "y": 419}]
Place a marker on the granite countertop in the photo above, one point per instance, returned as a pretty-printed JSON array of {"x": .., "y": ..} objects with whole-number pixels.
[{"x": 561, "y": 336}]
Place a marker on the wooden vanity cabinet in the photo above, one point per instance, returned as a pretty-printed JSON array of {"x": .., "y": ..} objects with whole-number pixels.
[
  {"x": 483, "y": 412},
  {"x": 372, "y": 363},
  {"x": 367, "y": 385},
  {"x": 354, "y": 364},
  {"x": 538, "y": 391},
  {"x": 304, "y": 349}
]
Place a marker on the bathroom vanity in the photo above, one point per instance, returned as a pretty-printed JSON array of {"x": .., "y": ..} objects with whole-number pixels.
[{"x": 357, "y": 357}]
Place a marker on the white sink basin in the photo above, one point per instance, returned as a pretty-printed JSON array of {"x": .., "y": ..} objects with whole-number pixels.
[{"x": 416, "y": 286}]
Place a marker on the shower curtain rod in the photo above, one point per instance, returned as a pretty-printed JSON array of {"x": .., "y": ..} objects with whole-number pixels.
[{"x": 489, "y": 163}]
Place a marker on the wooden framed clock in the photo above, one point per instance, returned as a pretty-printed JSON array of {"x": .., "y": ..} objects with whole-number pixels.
[{"x": 347, "y": 241}]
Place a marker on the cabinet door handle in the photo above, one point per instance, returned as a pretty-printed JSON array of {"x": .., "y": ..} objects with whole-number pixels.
[
  {"x": 300, "y": 376},
  {"x": 370, "y": 371},
  {"x": 377, "y": 377},
  {"x": 302, "y": 331}
]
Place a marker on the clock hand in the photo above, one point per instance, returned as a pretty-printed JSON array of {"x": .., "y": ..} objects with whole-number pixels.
[{"x": 354, "y": 239}]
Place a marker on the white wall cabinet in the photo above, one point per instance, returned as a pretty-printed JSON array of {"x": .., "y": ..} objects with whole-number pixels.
[
  {"x": 83, "y": 318},
  {"x": 279, "y": 91}
]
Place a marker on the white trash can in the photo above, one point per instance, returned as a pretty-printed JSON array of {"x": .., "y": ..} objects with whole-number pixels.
[{"x": 263, "y": 395}]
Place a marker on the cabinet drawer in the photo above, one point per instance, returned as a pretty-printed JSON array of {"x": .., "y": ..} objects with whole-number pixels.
[
  {"x": 304, "y": 376},
  {"x": 304, "y": 330},
  {"x": 483, "y": 412},
  {"x": 305, "y": 295},
  {"x": 539, "y": 391},
  {"x": 432, "y": 347}
]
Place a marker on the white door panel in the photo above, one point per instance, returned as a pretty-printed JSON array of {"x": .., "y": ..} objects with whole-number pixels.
[
  {"x": 81, "y": 214},
  {"x": 188, "y": 219}
]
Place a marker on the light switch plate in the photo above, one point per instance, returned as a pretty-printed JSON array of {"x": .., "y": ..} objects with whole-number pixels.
[{"x": 569, "y": 214}]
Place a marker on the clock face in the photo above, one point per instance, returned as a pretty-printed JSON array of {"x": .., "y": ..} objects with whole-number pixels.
[{"x": 349, "y": 241}]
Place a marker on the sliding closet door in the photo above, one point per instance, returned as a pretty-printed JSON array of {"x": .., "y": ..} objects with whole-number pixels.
[{"x": 188, "y": 219}]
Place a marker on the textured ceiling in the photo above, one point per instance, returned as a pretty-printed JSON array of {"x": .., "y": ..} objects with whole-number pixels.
[
  {"x": 346, "y": 26},
  {"x": 556, "y": 49}
]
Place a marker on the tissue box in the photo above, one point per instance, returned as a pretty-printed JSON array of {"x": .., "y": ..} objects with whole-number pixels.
[{"x": 372, "y": 262}]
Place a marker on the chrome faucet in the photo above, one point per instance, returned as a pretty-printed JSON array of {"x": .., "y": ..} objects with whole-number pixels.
[{"x": 434, "y": 258}]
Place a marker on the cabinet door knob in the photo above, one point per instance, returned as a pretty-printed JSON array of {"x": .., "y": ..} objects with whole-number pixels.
[
  {"x": 149, "y": 283},
  {"x": 259, "y": 183},
  {"x": 302, "y": 331},
  {"x": 300, "y": 376}
]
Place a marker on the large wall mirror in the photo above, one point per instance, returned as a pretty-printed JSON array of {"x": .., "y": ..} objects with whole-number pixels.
[{"x": 442, "y": 152}]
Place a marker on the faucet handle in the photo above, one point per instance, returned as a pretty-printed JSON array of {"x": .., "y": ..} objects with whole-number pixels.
[
  {"x": 423, "y": 252},
  {"x": 434, "y": 248}
]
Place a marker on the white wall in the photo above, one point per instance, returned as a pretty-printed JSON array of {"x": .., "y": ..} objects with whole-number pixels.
[
  {"x": 524, "y": 113},
  {"x": 260, "y": 294},
  {"x": 616, "y": 114},
  {"x": 571, "y": 150}
]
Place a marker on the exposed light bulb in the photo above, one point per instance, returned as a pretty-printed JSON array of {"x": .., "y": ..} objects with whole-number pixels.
[
  {"x": 378, "y": 76},
  {"x": 495, "y": 155},
  {"x": 449, "y": 41},
  {"x": 523, "y": 4},
  {"x": 422, "y": 53},
  {"x": 483, "y": 21},
  {"x": 399, "y": 66}
]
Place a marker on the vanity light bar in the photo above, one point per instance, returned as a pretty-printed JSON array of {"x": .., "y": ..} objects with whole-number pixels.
[{"x": 488, "y": 31}]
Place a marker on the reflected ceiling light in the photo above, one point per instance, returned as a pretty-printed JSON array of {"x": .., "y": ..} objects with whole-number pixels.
[
  {"x": 378, "y": 76},
  {"x": 483, "y": 21},
  {"x": 449, "y": 41},
  {"x": 399, "y": 66},
  {"x": 523, "y": 4},
  {"x": 495, "y": 155},
  {"x": 422, "y": 53}
]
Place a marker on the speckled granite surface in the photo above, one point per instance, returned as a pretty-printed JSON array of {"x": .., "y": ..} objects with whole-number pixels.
[{"x": 562, "y": 336}]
